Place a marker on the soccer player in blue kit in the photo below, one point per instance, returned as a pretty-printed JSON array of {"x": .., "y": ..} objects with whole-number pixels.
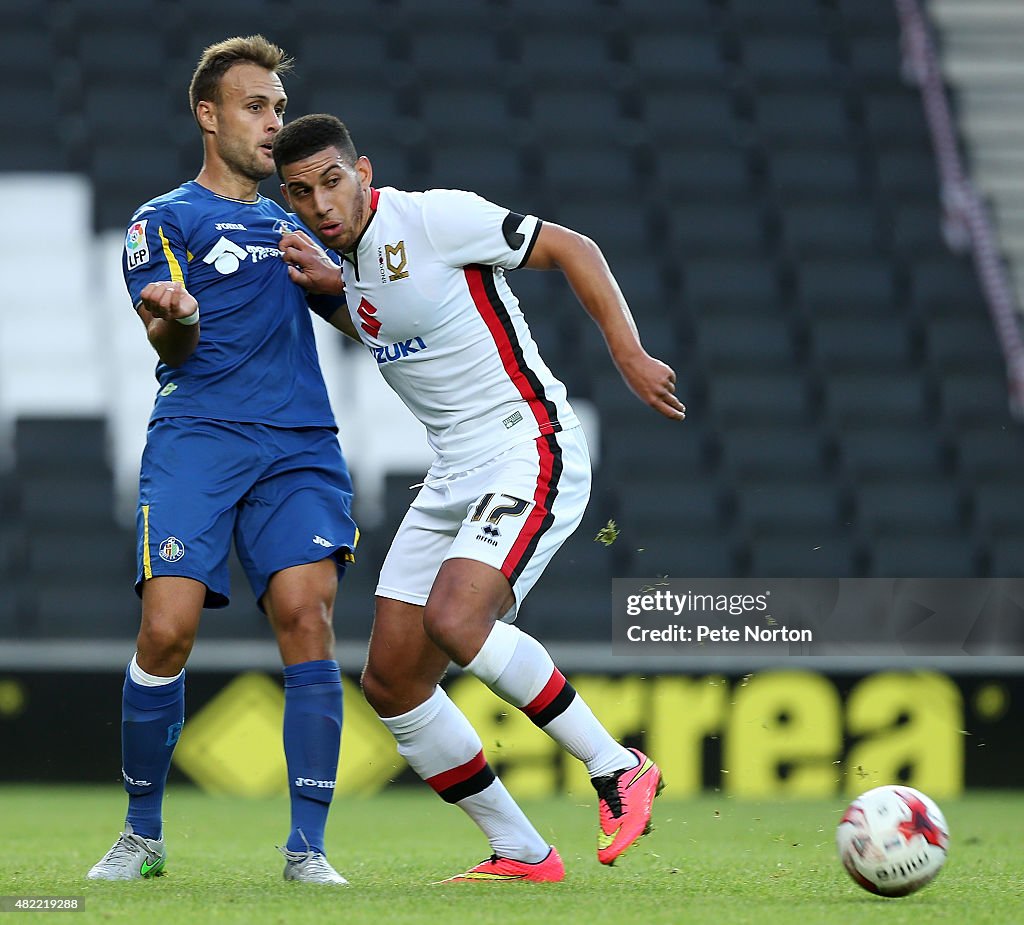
[{"x": 242, "y": 444}]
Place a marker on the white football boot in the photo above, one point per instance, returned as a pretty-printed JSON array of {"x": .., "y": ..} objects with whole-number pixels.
[{"x": 131, "y": 858}]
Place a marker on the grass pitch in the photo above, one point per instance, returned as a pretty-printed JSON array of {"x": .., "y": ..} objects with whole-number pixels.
[{"x": 711, "y": 860}]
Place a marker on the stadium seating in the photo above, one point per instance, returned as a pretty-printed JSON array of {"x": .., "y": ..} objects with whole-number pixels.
[
  {"x": 761, "y": 180},
  {"x": 815, "y": 554},
  {"x": 809, "y": 173},
  {"x": 683, "y": 556},
  {"x": 945, "y": 555},
  {"x": 881, "y": 451},
  {"x": 842, "y": 345},
  {"x": 677, "y": 61},
  {"x": 765, "y": 450}
]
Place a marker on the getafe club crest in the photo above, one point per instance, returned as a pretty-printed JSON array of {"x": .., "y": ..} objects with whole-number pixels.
[{"x": 172, "y": 549}]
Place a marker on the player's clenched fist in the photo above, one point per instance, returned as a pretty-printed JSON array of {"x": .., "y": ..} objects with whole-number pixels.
[{"x": 169, "y": 300}]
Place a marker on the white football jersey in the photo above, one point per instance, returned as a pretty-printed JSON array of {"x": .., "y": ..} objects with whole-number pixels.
[{"x": 426, "y": 290}]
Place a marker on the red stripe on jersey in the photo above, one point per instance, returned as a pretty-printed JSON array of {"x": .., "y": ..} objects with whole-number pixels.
[
  {"x": 480, "y": 280},
  {"x": 444, "y": 780},
  {"x": 539, "y": 519},
  {"x": 511, "y": 355},
  {"x": 551, "y": 690},
  {"x": 374, "y": 196}
]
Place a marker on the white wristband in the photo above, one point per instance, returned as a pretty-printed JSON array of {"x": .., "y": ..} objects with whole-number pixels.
[{"x": 189, "y": 319}]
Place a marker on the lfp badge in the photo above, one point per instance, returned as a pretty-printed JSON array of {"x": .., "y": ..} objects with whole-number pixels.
[{"x": 136, "y": 250}]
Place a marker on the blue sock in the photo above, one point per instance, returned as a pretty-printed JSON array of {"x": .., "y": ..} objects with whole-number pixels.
[
  {"x": 151, "y": 721},
  {"x": 312, "y": 741}
]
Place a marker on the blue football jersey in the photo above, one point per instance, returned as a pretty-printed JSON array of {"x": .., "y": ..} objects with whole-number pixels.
[{"x": 256, "y": 360}]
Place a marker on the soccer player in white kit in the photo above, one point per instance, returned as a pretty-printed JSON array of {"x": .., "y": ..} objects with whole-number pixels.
[{"x": 424, "y": 280}]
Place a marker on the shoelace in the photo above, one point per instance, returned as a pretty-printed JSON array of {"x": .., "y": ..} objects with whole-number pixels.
[
  {"x": 297, "y": 857},
  {"x": 125, "y": 848},
  {"x": 608, "y": 790},
  {"x": 310, "y": 859},
  {"x": 313, "y": 858},
  {"x": 317, "y": 863}
]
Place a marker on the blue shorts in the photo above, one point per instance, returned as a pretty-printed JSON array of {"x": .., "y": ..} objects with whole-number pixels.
[{"x": 284, "y": 494}]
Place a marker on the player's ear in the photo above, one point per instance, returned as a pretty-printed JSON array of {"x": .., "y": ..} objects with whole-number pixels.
[
  {"x": 365, "y": 170},
  {"x": 206, "y": 115},
  {"x": 284, "y": 192}
]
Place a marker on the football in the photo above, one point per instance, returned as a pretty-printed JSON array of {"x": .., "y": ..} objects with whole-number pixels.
[{"x": 892, "y": 840}]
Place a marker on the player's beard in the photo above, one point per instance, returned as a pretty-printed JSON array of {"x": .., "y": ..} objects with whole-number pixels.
[
  {"x": 355, "y": 227},
  {"x": 245, "y": 161}
]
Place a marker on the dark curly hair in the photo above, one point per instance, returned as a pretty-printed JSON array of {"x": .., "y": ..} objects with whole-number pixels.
[{"x": 309, "y": 135}]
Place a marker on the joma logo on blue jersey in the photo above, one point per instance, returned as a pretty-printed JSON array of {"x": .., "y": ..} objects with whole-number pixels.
[{"x": 398, "y": 351}]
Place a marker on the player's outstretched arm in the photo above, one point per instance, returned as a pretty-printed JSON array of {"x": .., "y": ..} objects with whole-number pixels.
[
  {"x": 584, "y": 266},
  {"x": 171, "y": 316}
]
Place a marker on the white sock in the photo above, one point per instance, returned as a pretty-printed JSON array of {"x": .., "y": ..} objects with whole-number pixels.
[
  {"x": 519, "y": 670},
  {"x": 144, "y": 678},
  {"x": 443, "y": 748}
]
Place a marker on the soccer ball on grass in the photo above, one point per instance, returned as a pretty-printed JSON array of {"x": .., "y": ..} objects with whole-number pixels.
[{"x": 892, "y": 840}]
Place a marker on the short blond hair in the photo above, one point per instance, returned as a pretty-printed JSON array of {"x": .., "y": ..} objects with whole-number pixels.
[{"x": 217, "y": 59}]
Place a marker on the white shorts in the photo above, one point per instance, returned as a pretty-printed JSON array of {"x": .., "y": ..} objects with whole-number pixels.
[{"x": 512, "y": 513}]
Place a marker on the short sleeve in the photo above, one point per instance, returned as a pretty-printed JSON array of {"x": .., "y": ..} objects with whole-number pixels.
[
  {"x": 466, "y": 229},
  {"x": 154, "y": 249}
]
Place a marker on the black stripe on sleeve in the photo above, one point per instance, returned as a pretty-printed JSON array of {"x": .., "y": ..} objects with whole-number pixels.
[{"x": 529, "y": 247}]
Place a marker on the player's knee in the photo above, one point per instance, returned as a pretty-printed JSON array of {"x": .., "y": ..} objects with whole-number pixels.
[
  {"x": 311, "y": 622},
  {"x": 164, "y": 646},
  {"x": 441, "y": 625},
  {"x": 391, "y": 692},
  {"x": 381, "y": 692},
  {"x": 374, "y": 691}
]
